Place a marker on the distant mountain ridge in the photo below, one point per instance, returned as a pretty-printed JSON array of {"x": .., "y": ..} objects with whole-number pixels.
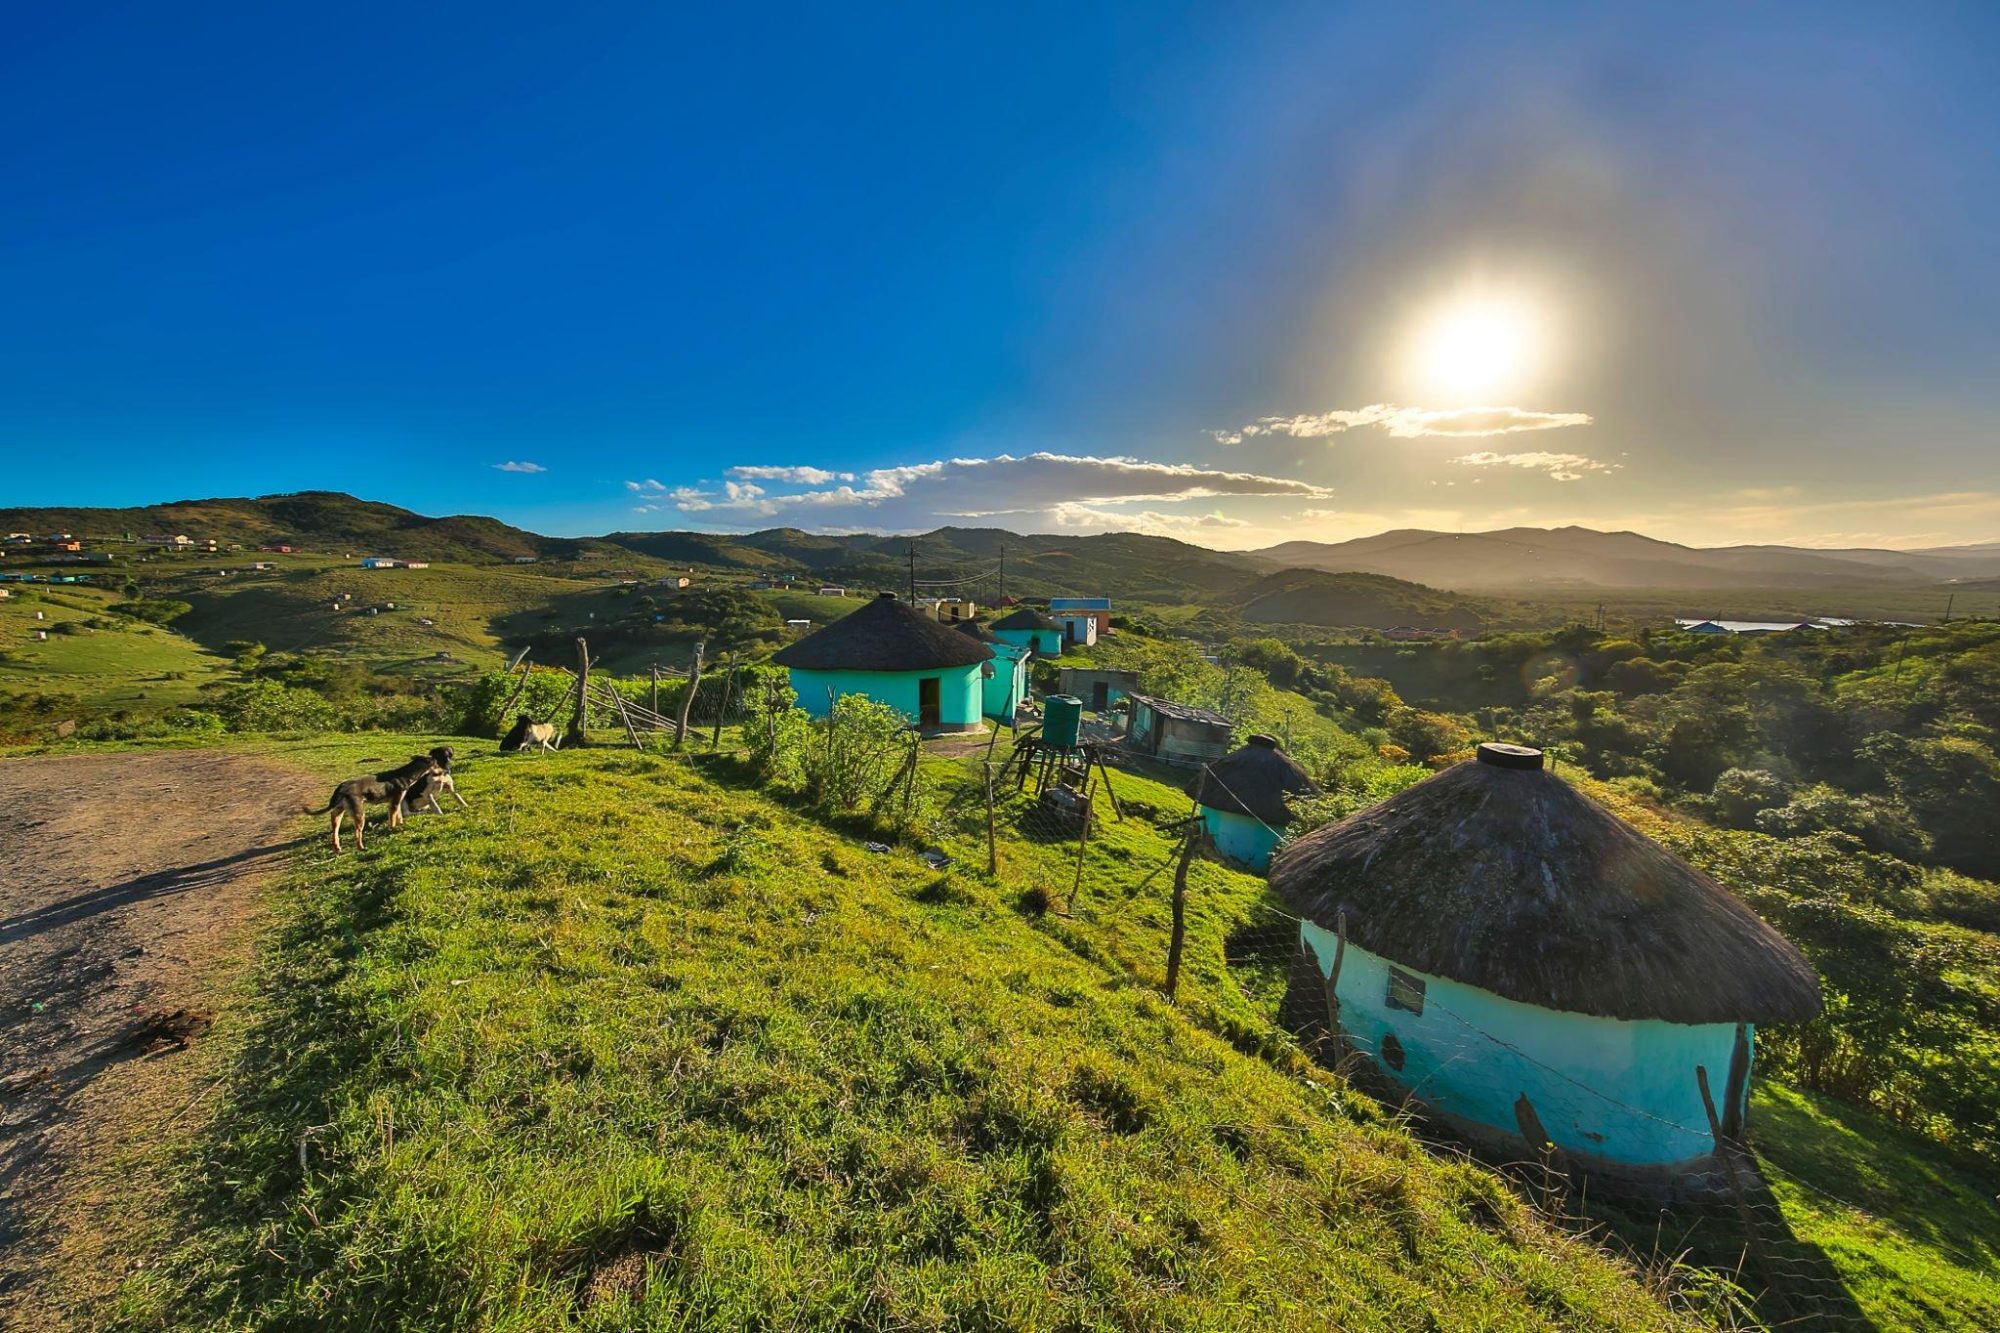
[
  {"x": 1524, "y": 558},
  {"x": 1125, "y": 564}
]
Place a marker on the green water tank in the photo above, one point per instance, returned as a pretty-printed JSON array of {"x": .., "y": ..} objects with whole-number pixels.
[{"x": 1062, "y": 714}]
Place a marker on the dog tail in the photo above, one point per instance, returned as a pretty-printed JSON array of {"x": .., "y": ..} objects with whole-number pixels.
[{"x": 308, "y": 810}]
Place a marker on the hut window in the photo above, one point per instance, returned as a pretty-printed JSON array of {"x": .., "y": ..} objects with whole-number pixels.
[{"x": 1405, "y": 991}]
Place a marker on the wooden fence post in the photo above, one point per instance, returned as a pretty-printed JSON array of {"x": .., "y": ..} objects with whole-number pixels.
[
  {"x": 654, "y": 706},
  {"x": 728, "y": 688},
  {"x": 992, "y": 847},
  {"x": 687, "y": 700},
  {"x": 578, "y": 736},
  {"x": 1179, "y": 938},
  {"x": 1082, "y": 844}
]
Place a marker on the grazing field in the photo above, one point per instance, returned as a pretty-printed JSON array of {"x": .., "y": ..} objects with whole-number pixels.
[
  {"x": 471, "y": 609},
  {"x": 118, "y": 664},
  {"x": 629, "y": 1045}
]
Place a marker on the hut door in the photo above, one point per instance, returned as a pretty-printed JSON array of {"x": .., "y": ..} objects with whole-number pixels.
[
  {"x": 1100, "y": 696},
  {"x": 929, "y": 712}
]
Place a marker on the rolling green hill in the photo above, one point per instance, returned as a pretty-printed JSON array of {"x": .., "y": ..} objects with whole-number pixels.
[
  {"x": 309, "y": 520},
  {"x": 1373, "y": 601}
]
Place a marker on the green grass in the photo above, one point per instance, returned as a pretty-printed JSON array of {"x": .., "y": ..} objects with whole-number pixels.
[
  {"x": 1915, "y": 1241},
  {"x": 471, "y": 607},
  {"x": 631, "y": 1045},
  {"x": 141, "y": 666}
]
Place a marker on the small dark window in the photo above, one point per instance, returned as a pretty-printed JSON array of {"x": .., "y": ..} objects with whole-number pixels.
[
  {"x": 1405, "y": 991},
  {"x": 1392, "y": 1052}
]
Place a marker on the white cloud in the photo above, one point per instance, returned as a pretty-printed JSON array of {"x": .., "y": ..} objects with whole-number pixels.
[
  {"x": 919, "y": 493},
  {"x": 512, "y": 466},
  {"x": 1560, "y": 467},
  {"x": 646, "y": 487},
  {"x": 797, "y": 476},
  {"x": 1150, "y": 521},
  {"x": 1407, "y": 422}
]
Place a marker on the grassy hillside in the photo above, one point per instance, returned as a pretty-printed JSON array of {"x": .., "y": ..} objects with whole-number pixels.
[
  {"x": 631, "y": 1046},
  {"x": 1313, "y": 597},
  {"x": 107, "y": 663},
  {"x": 310, "y": 520}
]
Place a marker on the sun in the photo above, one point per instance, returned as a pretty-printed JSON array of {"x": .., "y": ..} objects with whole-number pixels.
[{"x": 1473, "y": 348}]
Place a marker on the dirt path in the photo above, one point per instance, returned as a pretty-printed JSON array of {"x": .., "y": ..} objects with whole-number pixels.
[{"x": 128, "y": 883}]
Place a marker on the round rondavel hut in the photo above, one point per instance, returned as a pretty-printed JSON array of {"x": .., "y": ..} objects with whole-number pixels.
[
  {"x": 1245, "y": 800},
  {"x": 1006, "y": 676},
  {"x": 887, "y": 652},
  {"x": 1533, "y": 970},
  {"x": 1030, "y": 627}
]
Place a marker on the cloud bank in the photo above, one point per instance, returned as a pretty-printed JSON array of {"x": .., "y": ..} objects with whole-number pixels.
[
  {"x": 512, "y": 465},
  {"x": 1407, "y": 422},
  {"x": 919, "y": 493},
  {"x": 1560, "y": 467}
]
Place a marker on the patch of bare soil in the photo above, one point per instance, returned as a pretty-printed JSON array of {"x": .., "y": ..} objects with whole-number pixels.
[{"x": 128, "y": 885}]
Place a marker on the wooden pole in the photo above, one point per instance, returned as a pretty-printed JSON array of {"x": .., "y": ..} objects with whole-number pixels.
[
  {"x": 519, "y": 685},
  {"x": 687, "y": 700},
  {"x": 618, "y": 703},
  {"x": 1082, "y": 843},
  {"x": 1178, "y": 940},
  {"x": 728, "y": 688},
  {"x": 992, "y": 847},
  {"x": 1104, "y": 771},
  {"x": 1725, "y": 1150},
  {"x": 655, "y": 704},
  {"x": 577, "y": 733}
]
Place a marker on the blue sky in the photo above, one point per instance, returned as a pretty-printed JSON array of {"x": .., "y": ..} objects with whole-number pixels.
[{"x": 1719, "y": 274}]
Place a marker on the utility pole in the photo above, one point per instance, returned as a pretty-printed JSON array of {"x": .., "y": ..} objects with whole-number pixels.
[
  {"x": 1003, "y": 573},
  {"x": 913, "y": 573},
  {"x": 1947, "y": 606}
]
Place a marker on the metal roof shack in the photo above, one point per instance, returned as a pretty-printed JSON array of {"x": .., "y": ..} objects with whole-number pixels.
[{"x": 1176, "y": 733}]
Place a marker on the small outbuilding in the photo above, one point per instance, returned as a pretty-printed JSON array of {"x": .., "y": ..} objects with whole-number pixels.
[
  {"x": 1245, "y": 800},
  {"x": 1098, "y": 687},
  {"x": 1079, "y": 628},
  {"x": 1005, "y": 678},
  {"x": 888, "y": 652},
  {"x": 1176, "y": 733},
  {"x": 1532, "y": 970},
  {"x": 1030, "y": 627}
]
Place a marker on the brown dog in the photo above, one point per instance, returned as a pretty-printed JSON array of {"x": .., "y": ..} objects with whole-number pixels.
[{"x": 350, "y": 799}]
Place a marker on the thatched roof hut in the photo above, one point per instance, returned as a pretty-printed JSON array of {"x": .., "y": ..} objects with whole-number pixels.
[
  {"x": 1255, "y": 780},
  {"x": 884, "y": 635},
  {"x": 973, "y": 629},
  {"x": 1499, "y": 875},
  {"x": 1027, "y": 618}
]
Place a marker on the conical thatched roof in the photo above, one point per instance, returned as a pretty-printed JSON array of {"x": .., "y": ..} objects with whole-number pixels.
[
  {"x": 1254, "y": 780},
  {"x": 1502, "y": 876},
  {"x": 884, "y": 635},
  {"x": 972, "y": 629},
  {"x": 1026, "y": 618}
]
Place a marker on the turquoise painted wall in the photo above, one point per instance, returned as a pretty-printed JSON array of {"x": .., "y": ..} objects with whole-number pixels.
[
  {"x": 960, "y": 690},
  {"x": 1047, "y": 642},
  {"x": 1240, "y": 838},
  {"x": 1003, "y": 692},
  {"x": 1650, "y": 1112}
]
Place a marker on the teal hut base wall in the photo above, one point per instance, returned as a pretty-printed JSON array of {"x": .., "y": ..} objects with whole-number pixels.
[
  {"x": 960, "y": 692},
  {"x": 1239, "y": 838},
  {"x": 1002, "y": 692},
  {"x": 1047, "y": 642},
  {"x": 1611, "y": 1090}
]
